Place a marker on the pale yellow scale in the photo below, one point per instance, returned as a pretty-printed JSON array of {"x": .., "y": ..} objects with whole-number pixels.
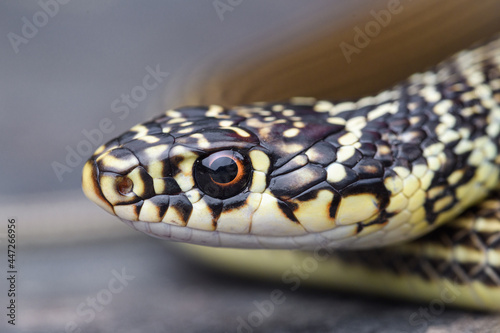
[
  {"x": 268, "y": 220},
  {"x": 184, "y": 178},
  {"x": 314, "y": 214},
  {"x": 239, "y": 221}
]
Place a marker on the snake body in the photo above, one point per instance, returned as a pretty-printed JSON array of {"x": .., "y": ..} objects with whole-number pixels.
[{"x": 322, "y": 175}]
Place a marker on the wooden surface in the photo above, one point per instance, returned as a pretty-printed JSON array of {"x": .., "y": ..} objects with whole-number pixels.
[{"x": 167, "y": 292}]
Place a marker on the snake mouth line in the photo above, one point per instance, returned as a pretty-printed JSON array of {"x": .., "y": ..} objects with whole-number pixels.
[{"x": 177, "y": 233}]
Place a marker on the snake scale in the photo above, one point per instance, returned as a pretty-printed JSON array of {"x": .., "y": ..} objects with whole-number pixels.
[{"x": 393, "y": 193}]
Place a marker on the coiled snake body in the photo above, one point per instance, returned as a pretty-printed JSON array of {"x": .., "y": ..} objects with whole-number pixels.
[{"x": 323, "y": 175}]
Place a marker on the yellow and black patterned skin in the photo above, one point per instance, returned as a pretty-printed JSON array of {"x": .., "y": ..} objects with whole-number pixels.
[{"x": 309, "y": 173}]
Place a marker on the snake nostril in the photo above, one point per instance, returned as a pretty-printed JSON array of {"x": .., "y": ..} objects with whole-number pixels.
[{"x": 125, "y": 185}]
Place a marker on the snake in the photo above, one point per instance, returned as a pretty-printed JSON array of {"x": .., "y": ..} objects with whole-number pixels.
[{"x": 395, "y": 193}]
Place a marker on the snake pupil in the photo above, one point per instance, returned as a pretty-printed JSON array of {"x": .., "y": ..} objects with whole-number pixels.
[
  {"x": 223, "y": 170},
  {"x": 222, "y": 174}
]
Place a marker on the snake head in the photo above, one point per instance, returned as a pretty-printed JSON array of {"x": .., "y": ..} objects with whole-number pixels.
[
  {"x": 254, "y": 176},
  {"x": 291, "y": 175}
]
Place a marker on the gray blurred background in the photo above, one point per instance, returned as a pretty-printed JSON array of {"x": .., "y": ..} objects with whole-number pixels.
[{"x": 66, "y": 67}]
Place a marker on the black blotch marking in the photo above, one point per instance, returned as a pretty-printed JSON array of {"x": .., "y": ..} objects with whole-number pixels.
[
  {"x": 450, "y": 163},
  {"x": 378, "y": 220},
  {"x": 215, "y": 206},
  {"x": 402, "y": 162},
  {"x": 182, "y": 205},
  {"x": 290, "y": 184},
  {"x": 399, "y": 123},
  {"x": 408, "y": 151},
  {"x": 290, "y": 166},
  {"x": 379, "y": 125},
  {"x": 171, "y": 186},
  {"x": 148, "y": 183},
  {"x": 369, "y": 168},
  {"x": 430, "y": 216},
  {"x": 162, "y": 202},
  {"x": 369, "y": 136},
  {"x": 420, "y": 161},
  {"x": 452, "y": 203},
  {"x": 235, "y": 202},
  {"x": 427, "y": 134},
  {"x": 174, "y": 164},
  {"x": 367, "y": 149},
  {"x": 325, "y": 153},
  {"x": 137, "y": 207},
  {"x": 287, "y": 208}
]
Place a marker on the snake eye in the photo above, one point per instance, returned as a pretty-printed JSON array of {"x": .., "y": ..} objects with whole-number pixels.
[{"x": 222, "y": 174}]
